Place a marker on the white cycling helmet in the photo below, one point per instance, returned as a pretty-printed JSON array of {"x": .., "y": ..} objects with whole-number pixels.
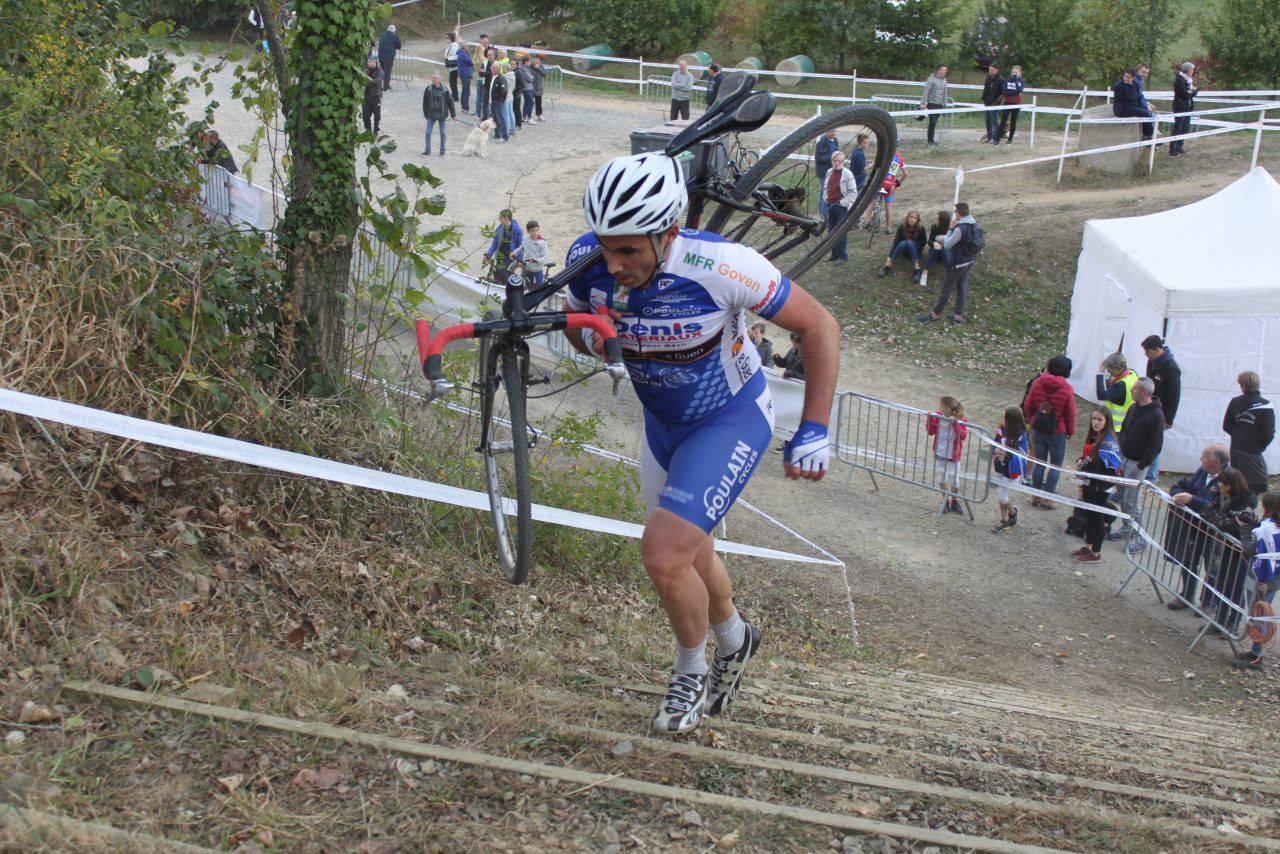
[{"x": 637, "y": 194}]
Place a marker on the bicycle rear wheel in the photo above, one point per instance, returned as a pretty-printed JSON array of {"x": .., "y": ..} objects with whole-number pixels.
[
  {"x": 505, "y": 445},
  {"x": 783, "y": 189},
  {"x": 873, "y": 225}
]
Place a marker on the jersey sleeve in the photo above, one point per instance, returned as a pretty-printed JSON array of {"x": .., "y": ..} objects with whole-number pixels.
[{"x": 577, "y": 296}]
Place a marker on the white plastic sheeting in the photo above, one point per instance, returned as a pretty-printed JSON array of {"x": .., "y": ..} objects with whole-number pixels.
[{"x": 1205, "y": 277}]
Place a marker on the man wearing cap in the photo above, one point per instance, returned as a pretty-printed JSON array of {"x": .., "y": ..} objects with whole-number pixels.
[
  {"x": 992, "y": 96},
  {"x": 1167, "y": 376},
  {"x": 1184, "y": 93}
]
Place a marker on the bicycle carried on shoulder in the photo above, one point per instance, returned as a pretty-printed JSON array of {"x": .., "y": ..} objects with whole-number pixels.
[{"x": 741, "y": 200}]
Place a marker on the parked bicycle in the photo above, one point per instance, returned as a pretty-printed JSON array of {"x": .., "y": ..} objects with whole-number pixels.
[
  {"x": 503, "y": 369},
  {"x": 876, "y": 219}
]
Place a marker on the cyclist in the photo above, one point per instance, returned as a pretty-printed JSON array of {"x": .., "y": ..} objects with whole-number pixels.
[
  {"x": 680, "y": 298},
  {"x": 892, "y": 181}
]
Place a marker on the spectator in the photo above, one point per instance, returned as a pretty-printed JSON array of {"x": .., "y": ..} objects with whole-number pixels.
[
  {"x": 826, "y": 146},
  {"x": 910, "y": 240},
  {"x": 1266, "y": 540},
  {"x": 1113, "y": 386},
  {"x": 1141, "y": 438},
  {"x": 535, "y": 252},
  {"x": 948, "y": 429},
  {"x": 1140, "y": 80},
  {"x": 1101, "y": 457},
  {"x": 539, "y": 86},
  {"x": 216, "y": 152},
  {"x": 764, "y": 347},
  {"x": 1050, "y": 408},
  {"x": 858, "y": 160},
  {"x": 466, "y": 70},
  {"x": 255, "y": 27},
  {"x": 482, "y": 60},
  {"x": 437, "y": 105},
  {"x": 1127, "y": 102},
  {"x": 681, "y": 91},
  {"x": 526, "y": 74},
  {"x": 507, "y": 244},
  {"x": 519, "y": 81},
  {"x": 388, "y": 44},
  {"x": 1167, "y": 376},
  {"x": 1185, "y": 536},
  {"x": 792, "y": 364},
  {"x": 1233, "y": 514},
  {"x": 895, "y": 178},
  {"x": 1184, "y": 103},
  {"x": 504, "y": 63},
  {"x": 713, "y": 84},
  {"x": 937, "y": 251},
  {"x": 841, "y": 191},
  {"x": 934, "y": 98},
  {"x": 371, "y": 108},
  {"x": 451, "y": 52},
  {"x": 1009, "y": 459},
  {"x": 963, "y": 253},
  {"x": 1250, "y": 421},
  {"x": 1013, "y": 86},
  {"x": 992, "y": 96},
  {"x": 509, "y": 75},
  {"x": 498, "y": 88}
]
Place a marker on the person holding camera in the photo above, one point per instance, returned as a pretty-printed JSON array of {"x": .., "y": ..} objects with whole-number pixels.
[{"x": 1234, "y": 515}]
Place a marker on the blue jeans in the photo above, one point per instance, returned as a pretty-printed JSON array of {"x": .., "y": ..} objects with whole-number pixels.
[
  {"x": 1055, "y": 449},
  {"x": 501, "y": 128},
  {"x": 909, "y": 247},
  {"x": 1153, "y": 470},
  {"x": 943, "y": 255},
  {"x": 466, "y": 94},
  {"x": 511, "y": 115},
  {"x": 426, "y": 149},
  {"x": 993, "y": 124},
  {"x": 835, "y": 213},
  {"x": 527, "y": 94}
]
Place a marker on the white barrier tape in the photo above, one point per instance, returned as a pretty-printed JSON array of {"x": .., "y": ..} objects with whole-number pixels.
[
  {"x": 248, "y": 453},
  {"x": 1053, "y": 158}
]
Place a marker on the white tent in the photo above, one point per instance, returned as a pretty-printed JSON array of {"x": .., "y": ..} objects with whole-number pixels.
[{"x": 1206, "y": 278}]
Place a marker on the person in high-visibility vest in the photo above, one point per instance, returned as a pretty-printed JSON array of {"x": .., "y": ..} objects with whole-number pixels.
[{"x": 1115, "y": 384}]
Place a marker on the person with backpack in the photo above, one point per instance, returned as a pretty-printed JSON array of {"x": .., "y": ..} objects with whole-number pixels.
[
  {"x": 965, "y": 241},
  {"x": 1009, "y": 459},
  {"x": 1050, "y": 408}
]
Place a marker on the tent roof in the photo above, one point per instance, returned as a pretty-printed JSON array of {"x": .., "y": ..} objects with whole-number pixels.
[{"x": 1226, "y": 242}]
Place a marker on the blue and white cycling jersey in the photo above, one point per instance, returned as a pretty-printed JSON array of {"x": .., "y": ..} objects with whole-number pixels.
[{"x": 684, "y": 335}]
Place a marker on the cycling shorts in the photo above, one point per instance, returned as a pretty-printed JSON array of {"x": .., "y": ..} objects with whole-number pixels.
[{"x": 697, "y": 470}]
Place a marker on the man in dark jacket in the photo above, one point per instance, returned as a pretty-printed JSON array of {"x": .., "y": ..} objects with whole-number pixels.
[
  {"x": 216, "y": 152},
  {"x": 371, "y": 109},
  {"x": 992, "y": 95},
  {"x": 1141, "y": 439},
  {"x": 713, "y": 83},
  {"x": 1167, "y": 376},
  {"x": 1127, "y": 102},
  {"x": 1185, "y": 537},
  {"x": 1184, "y": 94},
  {"x": 437, "y": 106},
  {"x": 1251, "y": 423},
  {"x": 827, "y": 145},
  {"x": 388, "y": 44}
]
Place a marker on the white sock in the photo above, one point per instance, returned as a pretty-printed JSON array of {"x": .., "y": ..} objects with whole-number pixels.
[
  {"x": 730, "y": 635},
  {"x": 692, "y": 660}
]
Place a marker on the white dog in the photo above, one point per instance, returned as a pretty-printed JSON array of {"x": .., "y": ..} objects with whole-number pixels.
[{"x": 477, "y": 144}]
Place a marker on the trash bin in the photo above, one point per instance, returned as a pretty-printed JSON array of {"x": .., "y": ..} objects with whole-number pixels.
[
  {"x": 708, "y": 151},
  {"x": 794, "y": 70},
  {"x": 589, "y": 62}
]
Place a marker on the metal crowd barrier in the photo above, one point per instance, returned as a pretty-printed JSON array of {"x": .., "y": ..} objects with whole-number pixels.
[
  {"x": 215, "y": 192},
  {"x": 890, "y": 439},
  {"x": 402, "y": 70},
  {"x": 946, "y": 123},
  {"x": 1182, "y": 554},
  {"x": 396, "y": 273},
  {"x": 552, "y": 84},
  {"x": 560, "y": 346}
]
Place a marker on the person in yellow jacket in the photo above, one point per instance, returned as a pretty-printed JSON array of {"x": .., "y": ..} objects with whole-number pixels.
[{"x": 1115, "y": 384}]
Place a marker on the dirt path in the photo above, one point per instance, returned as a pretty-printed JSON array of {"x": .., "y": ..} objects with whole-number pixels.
[{"x": 956, "y": 599}]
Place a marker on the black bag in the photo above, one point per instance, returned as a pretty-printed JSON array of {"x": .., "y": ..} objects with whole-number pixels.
[
  {"x": 970, "y": 245},
  {"x": 1045, "y": 420}
]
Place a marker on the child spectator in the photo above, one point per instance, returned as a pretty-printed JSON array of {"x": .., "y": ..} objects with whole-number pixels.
[
  {"x": 792, "y": 364},
  {"x": 937, "y": 251},
  {"x": 764, "y": 347},
  {"x": 1009, "y": 459},
  {"x": 535, "y": 252},
  {"x": 948, "y": 430},
  {"x": 1266, "y": 539},
  {"x": 910, "y": 240},
  {"x": 1101, "y": 456}
]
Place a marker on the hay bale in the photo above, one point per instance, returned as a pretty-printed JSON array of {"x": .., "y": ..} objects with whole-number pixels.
[{"x": 1121, "y": 163}]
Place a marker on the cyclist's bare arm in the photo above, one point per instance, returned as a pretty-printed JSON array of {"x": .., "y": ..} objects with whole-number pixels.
[{"x": 820, "y": 346}]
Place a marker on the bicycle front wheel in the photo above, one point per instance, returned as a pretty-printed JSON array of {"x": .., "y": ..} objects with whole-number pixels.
[
  {"x": 783, "y": 189},
  {"x": 877, "y": 220},
  {"x": 505, "y": 446}
]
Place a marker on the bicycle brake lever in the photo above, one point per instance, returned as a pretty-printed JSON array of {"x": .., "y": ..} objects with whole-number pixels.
[
  {"x": 439, "y": 388},
  {"x": 618, "y": 372}
]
